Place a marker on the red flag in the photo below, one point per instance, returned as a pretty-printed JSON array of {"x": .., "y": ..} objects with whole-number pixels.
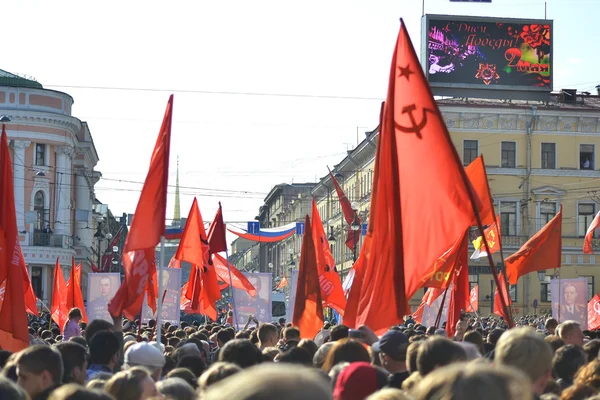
[
  {"x": 421, "y": 198},
  {"x": 174, "y": 263},
  {"x": 14, "y": 334},
  {"x": 332, "y": 292},
  {"x": 594, "y": 313},
  {"x": 59, "y": 308},
  {"x": 349, "y": 214},
  {"x": 217, "y": 240},
  {"x": 203, "y": 291},
  {"x": 444, "y": 267},
  {"x": 541, "y": 252},
  {"x": 139, "y": 266},
  {"x": 148, "y": 223},
  {"x": 432, "y": 294},
  {"x": 239, "y": 279},
  {"x": 282, "y": 283},
  {"x": 479, "y": 182},
  {"x": 308, "y": 309},
  {"x": 193, "y": 246},
  {"x": 459, "y": 297},
  {"x": 74, "y": 295},
  {"x": 418, "y": 314},
  {"x": 473, "y": 299},
  {"x": 95, "y": 269},
  {"x": 498, "y": 309},
  {"x": 587, "y": 243}
]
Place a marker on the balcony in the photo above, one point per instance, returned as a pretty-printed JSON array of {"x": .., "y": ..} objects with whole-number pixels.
[{"x": 43, "y": 239}]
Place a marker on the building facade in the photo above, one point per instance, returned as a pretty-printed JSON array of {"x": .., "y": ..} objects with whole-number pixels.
[{"x": 53, "y": 157}]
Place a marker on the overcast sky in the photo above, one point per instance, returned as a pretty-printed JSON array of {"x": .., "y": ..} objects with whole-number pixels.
[{"x": 120, "y": 60}]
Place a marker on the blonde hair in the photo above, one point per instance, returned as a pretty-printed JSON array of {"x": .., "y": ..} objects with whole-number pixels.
[
  {"x": 389, "y": 394},
  {"x": 589, "y": 374},
  {"x": 217, "y": 372},
  {"x": 473, "y": 381},
  {"x": 566, "y": 328},
  {"x": 526, "y": 350},
  {"x": 127, "y": 385}
]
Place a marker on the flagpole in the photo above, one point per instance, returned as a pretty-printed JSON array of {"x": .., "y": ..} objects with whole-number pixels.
[
  {"x": 160, "y": 290},
  {"x": 439, "y": 316},
  {"x": 237, "y": 327}
]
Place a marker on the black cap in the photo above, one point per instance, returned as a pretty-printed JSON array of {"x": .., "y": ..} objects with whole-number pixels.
[{"x": 390, "y": 343}]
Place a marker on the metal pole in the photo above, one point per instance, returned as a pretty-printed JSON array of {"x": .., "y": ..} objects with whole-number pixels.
[
  {"x": 237, "y": 327},
  {"x": 160, "y": 290},
  {"x": 491, "y": 296}
]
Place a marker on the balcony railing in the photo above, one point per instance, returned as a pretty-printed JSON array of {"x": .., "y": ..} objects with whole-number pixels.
[{"x": 51, "y": 240}]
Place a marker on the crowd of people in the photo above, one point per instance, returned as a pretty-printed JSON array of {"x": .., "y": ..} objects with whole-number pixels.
[{"x": 538, "y": 359}]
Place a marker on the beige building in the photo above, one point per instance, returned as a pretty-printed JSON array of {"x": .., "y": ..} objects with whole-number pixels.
[{"x": 538, "y": 155}]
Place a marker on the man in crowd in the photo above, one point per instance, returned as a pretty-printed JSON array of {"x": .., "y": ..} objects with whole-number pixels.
[
  {"x": 392, "y": 354},
  {"x": 74, "y": 357},
  {"x": 39, "y": 371},
  {"x": 570, "y": 332},
  {"x": 104, "y": 353}
]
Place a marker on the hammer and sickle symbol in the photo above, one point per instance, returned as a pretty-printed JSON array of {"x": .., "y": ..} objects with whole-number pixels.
[
  {"x": 597, "y": 307},
  {"x": 416, "y": 127}
]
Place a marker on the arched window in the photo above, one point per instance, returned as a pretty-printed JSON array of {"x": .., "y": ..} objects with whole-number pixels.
[{"x": 38, "y": 207}]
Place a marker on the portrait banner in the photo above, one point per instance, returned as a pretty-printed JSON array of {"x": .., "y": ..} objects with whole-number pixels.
[
  {"x": 293, "y": 284},
  {"x": 170, "y": 298},
  {"x": 258, "y": 306},
  {"x": 569, "y": 300},
  {"x": 102, "y": 287}
]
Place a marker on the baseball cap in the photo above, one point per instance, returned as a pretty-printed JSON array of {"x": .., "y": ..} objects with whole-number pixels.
[
  {"x": 144, "y": 354},
  {"x": 390, "y": 343}
]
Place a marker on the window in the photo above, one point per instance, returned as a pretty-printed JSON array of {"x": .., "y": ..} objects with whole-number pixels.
[
  {"x": 36, "y": 282},
  {"x": 585, "y": 215},
  {"x": 40, "y": 154},
  {"x": 586, "y": 156},
  {"x": 513, "y": 292},
  {"x": 470, "y": 150},
  {"x": 38, "y": 207},
  {"x": 473, "y": 281},
  {"x": 545, "y": 294},
  {"x": 509, "y": 154},
  {"x": 549, "y": 155},
  {"x": 547, "y": 212},
  {"x": 590, "y": 286},
  {"x": 508, "y": 218}
]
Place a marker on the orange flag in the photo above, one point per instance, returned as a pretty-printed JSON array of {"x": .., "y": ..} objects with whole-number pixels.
[
  {"x": 14, "y": 334},
  {"x": 332, "y": 292},
  {"x": 74, "y": 295},
  {"x": 587, "y": 243},
  {"x": 217, "y": 240},
  {"x": 308, "y": 309},
  {"x": 174, "y": 263},
  {"x": 498, "y": 309},
  {"x": 420, "y": 204},
  {"x": 459, "y": 297},
  {"x": 443, "y": 268},
  {"x": 148, "y": 223},
  {"x": 474, "y": 300},
  {"x": 479, "y": 181},
  {"x": 541, "y": 252},
  {"x": 282, "y": 283},
  {"x": 193, "y": 246},
  {"x": 431, "y": 294},
  {"x": 238, "y": 278},
  {"x": 493, "y": 235},
  {"x": 418, "y": 314},
  {"x": 59, "y": 307},
  {"x": 594, "y": 313}
]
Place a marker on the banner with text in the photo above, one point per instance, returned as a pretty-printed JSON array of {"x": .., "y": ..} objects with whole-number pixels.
[
  {"x": 102, "y": 287},
  {"x": 569, "y": 300},
  {"x": 170, "y": 297},
  {"x": 258, "y": 306}
]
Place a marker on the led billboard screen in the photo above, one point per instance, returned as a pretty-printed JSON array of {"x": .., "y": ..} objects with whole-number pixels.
[{"x": 487, "y": 53}]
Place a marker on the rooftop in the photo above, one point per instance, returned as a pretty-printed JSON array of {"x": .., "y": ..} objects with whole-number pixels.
[
  {"x": 14, "y": 80},
  {"x": 583, "y": 101}
]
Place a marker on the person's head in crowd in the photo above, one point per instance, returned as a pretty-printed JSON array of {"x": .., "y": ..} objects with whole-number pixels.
[
  {"x": 566, "y": 361},
  {"x": 591, "y": 349},
  {"x": 268, "y": 336},
  {"x": 96, "y": 326},
  {"x": 295, "y": 355},
  {"x": 9, "y": 390},
  {"x": 272, "y": 381},
  {"x": 216, "y": 373},
  {"x": 321, "y": 354},
  {"x": 39, "y": 369},
  {"x": 73, "y": 391},
  {"x": 412, "y": 352},
  {"x": 188, "y": 349},
  {"x": 494, "y": 335},
  {"x": 75, "y": 315},
  {"x": 389, "y": 394},
  {"x": 145, "y": 355},
  {"x": 281, "y": 322},
  {"x": 242, "y": 335},
  {"x": 79, "y": 340},
  {"x": 474, "y": 381},
  {"x": 132, "y": 384},
  {"x": 348, "y": 350},
  {"x": 475, "y": 338},
  {"x": 176, "y": 388},
  {"x": 309, "y": 346},
  {"x": 335, "y": 371},
  {"x": 358, "y": 380},
  {"x": 104, "y": 350},
  {"x": 254, "y": 337},
  {"x": 192, "y": 363},
  {"x": 291, "y": 335},
  {"x": 437, "y": 352},
  {"x": 554, "y": 341},
  {"x": 551, "y": 325},
  {"x": 589, "y": 374},
  {"x": 184, "y": 374},
  {"x": 391, "y": 349},
  {"x": 224, "y": 336},
  {"x": 10, "y": 370},
  {"x": 270, "y": 353},
  {"x": 241, "y": 352},
  {"x": 526, "y": 350},
  {"x": 338, "y": 332},
  {"x": 74, "y": 357},
  {"x": 570, "y": 332},
  {"x": 96, "y": 384},
  {"x": 578, "y": 392},
  {"x": 471, "y": 350},
  {"x": 46, "y": 335}
]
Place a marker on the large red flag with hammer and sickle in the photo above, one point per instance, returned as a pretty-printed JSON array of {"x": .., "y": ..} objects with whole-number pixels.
[{"x": 594, "y": 313}]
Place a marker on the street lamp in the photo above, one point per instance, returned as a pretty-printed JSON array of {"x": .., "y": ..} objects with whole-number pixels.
[
  {"x": 355, "y": 226},
  {"x": 291, "y": 253},
  {"x": 542, "y": 275}
]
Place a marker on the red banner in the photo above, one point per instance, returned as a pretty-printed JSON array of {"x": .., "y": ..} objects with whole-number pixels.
[
  {"x": 594, "y": 313},
  {"x": 474, "y": 300}
]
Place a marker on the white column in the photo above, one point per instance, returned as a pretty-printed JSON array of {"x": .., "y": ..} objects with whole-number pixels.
[
  {"x": 64, "y": 156},
  {"x": 83, "y": 202},
  {"x": 19, "y": 147}
]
